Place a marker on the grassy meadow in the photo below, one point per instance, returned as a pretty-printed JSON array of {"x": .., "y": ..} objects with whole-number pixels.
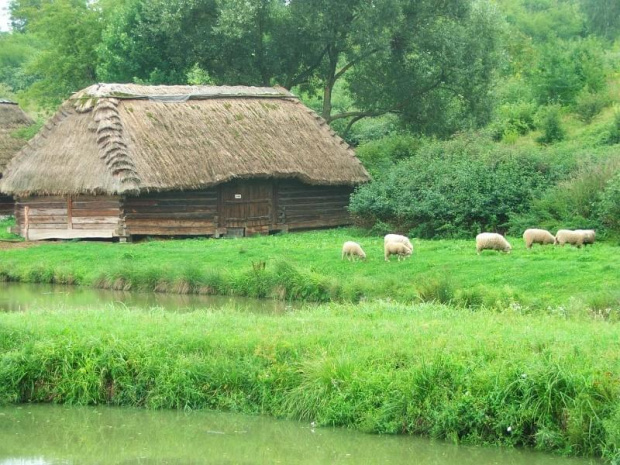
[
  {"x": 485, "y": 377},
  {"x": 308, "y": 266},
  {"x": 517, "y": 349}
]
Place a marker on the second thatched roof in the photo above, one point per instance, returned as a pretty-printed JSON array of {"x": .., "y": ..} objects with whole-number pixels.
[
  {"x": 118, "y": 138},
  {"x": 12, "y": 118}
]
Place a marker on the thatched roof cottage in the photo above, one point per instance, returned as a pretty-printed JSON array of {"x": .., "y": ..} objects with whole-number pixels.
[
  {"x": 12, "y": 118},
  {"x": 120, "y": 159}
]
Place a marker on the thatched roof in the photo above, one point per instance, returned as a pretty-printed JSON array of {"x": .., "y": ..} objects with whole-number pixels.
[
  {"x": 11, "y": 119},
  {"x": 118, "y": 138}
]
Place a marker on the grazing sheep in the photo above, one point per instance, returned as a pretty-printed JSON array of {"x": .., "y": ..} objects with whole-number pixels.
[
  {"x": 537, "y": 236},
  {"x": 566, "y": 236},
  {"x": 396, "y": 248},
  {"x": 589, "y": 235},
  {"x": 398, "y": 239},
  {"x": 492, "y": 241},
  {"x": 351, "y": 250}
]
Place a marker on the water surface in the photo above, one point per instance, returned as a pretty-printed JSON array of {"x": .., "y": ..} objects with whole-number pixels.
[
  {"x": 53, "y": 435},
  {"x": 15, "y": 297}
]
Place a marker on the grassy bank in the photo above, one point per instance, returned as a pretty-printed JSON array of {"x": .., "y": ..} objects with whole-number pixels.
[
  {"x": 307, "y": 266},
  {"x": 475, "y": 377}
]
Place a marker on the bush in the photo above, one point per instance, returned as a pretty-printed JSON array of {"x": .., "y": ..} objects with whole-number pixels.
[
  {"x": 613, "y": 136},
  {"x": 513, "y": 118},
  {"x": 577, "y": 202},
  {"x": 609, "y": 207},
  {"x": 550, "y": 124},
  {"x": 380, "y": 155},
  {"x": 589, "y": 104},
  {"x": 454, "y": 189}
]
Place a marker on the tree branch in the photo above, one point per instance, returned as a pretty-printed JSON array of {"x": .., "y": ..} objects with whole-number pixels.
[
  {"x": 353, "y": 62},
  {"x": 308, "y": 71}
]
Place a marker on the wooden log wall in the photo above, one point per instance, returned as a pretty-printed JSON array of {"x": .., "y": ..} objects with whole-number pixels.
[
  {"x": 60, "y": 217},
  {"x": 302, "y": 206},
  {"x": 7, "y": 205},
  {"x": 172, "y": 213}
]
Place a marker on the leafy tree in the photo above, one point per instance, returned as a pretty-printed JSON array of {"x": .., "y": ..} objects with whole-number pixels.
[
  {"x": 68, "y": 31},
  {"x": 603, "y": 17},
  {"x": 155, "y": 42},
  {"x": 15, "y": 52}
]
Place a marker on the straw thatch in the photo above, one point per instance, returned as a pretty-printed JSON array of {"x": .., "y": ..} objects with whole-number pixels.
[
  {"x": 122, "y": 138},
  {"x": 12, "y": 118}
]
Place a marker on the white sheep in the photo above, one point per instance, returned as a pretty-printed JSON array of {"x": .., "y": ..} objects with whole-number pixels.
[
  {"x": 351, "y": 250},
  {"x": 492, "y": 241},
  {"x": 398, "y": 239},
  {"x": 566, "y": 236},
  {"x": 396, "y": 248},
  {"x": 537, "y": 236},
  {"x": 589, "y": 235}
]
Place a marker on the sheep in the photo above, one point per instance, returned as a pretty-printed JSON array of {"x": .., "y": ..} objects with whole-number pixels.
[
  {"x": 396, "y": 248},
  {"x": 537, "y": 236},
  {"x": 492, "y": 241},
  {"x": 566, "y": 236},
  {"x": 589, "y": 235},
  {"x": 398, "y": 238},
  {"x": 351, "y": 250}
]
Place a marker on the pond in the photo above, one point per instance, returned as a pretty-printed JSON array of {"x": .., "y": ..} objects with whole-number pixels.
[
  {"x": 54, "y": 435},
  {"x": 15, "y": 297}
]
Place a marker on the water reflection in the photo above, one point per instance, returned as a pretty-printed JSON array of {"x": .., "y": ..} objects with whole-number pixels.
[
  {"x": 46, "y": 435},
  {"x": 17, "y": 297}
]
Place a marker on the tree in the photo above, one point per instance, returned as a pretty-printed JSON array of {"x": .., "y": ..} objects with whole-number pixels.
[
  {"x": 603, "y": 17},
  {"x": 156, "y": 42},
  {"x": 68, "y": 31}
]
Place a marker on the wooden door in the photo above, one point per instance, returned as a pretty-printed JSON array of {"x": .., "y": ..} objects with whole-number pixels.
[{"x": 247, "y": 204}]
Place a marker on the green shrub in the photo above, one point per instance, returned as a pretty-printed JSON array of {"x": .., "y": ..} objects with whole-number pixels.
[
  {"x": 589, "y": 104},
  {"x": 609, "y": 207},
  {"x": 550, "y": 124},
  {"x": 379, "y": 156},
  {"x": 454, "y": 189},
  {"x": 613, "y": 135},
  {"x": 513, "y": 118},
  {"x": 584, "y": 200}
]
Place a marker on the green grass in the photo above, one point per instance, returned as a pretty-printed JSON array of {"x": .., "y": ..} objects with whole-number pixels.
[
  {"x": 483, "y": 377},
  {"x": 307, "y": 266},
  {"x": 5, "y": 224}
]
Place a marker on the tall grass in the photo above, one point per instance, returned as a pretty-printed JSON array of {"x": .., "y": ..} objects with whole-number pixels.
[{"x": 506, "y": 378}]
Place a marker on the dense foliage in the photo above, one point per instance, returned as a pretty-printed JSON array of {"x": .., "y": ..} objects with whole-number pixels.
[{"x": 454, "y": 189}]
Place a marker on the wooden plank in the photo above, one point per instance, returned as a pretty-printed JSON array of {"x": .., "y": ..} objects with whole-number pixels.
[
  {"x": 97, "y": 212},
  {"x": 26, "y": 221},
  {"x": 40, "y": 234},
  {"x": 175, "y": 216},
  {"x": 69, "y": 212},
  {"x": 168, "y": 211},
  {"x": 176, "y": 231},
  {"x": 78, "y": 205},
  {"x": 168, "y": 224},
  {"x": 95, "y": 219},
  {"x": 48, "y": 211},
  {"x": 58, "y": 219},
  {"x": 39, "y": 225},
  {"x": 102, "y": 226}
]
